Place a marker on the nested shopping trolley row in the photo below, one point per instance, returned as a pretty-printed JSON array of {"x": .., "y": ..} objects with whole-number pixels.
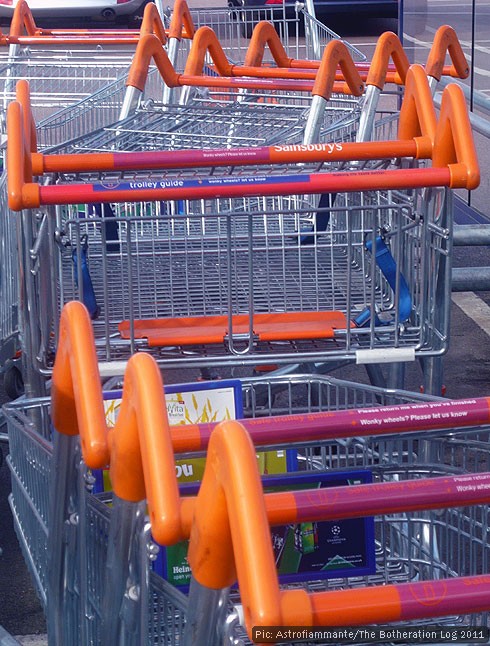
[
  {"x": 246, "y": 264},
  {"x": 427, "y": 504}
]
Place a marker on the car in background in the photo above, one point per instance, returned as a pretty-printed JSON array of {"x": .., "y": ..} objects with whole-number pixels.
[
  {"x": 100, "y": 10},
  {"x": 249, "y": 12}
]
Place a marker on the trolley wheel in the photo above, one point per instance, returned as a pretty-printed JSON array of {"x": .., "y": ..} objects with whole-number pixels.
[{"x": 13, "y": 382}]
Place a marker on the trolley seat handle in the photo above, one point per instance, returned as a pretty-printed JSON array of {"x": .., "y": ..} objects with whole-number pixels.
[
  {"x": 206, "y": 42},
  {"x": 418, "y": 119},
  {"x": 181, "y": 23},
  {"x": 22, "y": 22},
  {"x": 446, "y": 41},
  {"x": 388, "y": 47}
]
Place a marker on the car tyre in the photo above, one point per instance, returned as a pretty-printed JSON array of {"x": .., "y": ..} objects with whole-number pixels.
[{"x": 13, "y": 381}]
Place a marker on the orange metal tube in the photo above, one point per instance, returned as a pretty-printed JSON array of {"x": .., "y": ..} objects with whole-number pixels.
[
  {"x": 22, "y": 19},
  {"x": 454, "y": 145},
  {"x": 22, "y": 192},
  {"x": 141, "y": 456},
  {"x": 181, "y": 23},
  {"x": 23, "y": 30},
  {"x": 76, "y": 403},
  {"x": 388, "y": 47},
  {"x": 446, "y": 40}
]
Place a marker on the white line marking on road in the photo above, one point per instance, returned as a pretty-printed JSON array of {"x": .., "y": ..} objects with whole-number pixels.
[{"x": 475, "y": 308}]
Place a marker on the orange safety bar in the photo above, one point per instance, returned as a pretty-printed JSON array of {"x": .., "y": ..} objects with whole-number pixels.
[
  {"x": 23, "y": 30},
  {"x": 446, "y": 40}
]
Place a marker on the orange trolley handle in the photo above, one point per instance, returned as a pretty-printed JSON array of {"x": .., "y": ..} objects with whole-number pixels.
[
  {"x": 138, "y": 447},
  {"x": 446, "y": 40}
]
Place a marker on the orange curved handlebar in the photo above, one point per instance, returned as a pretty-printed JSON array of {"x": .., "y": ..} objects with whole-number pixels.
[
  {"x": 205, "y": 41},
  {"x": 181, "y": 23},
  {"x": 21, "y": 148},
  {"x": 23, "y": 19},
  {"x": 139, "y": 446},
  {"x": 336, "y": 55},
  {"x": 149, "y": 47},
  {"x": 152, "y": 23},
  {"x": 222, "y": 535},
  {"x": 388, "y": 47},
  {"x": 454, "y": 145},
  {"x": 264, "y": 34},
  {"x": 446, "y": 40},
  {"x": 417, "y": 113}
]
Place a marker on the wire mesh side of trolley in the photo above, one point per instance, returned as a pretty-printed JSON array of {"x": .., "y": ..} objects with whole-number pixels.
[
  {"x": 154, "y": 263},
  {"x": 60, "y": 80},
  {"x": 214, "y": 124},
  {"x": 409, "y": 547}
]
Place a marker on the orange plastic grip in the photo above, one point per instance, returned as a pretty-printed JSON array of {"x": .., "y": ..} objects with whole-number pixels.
[
  {"x": 150, "y": 48},
  {"x": 417, "y": 113},
  {"x": 22, "y": 193},
  {"x": 446, "y": 41},
  {"x": 22, "y": 19},
  {"x": 139, "y": 446},
  {"x": 388, "y": 47},
  {"x": 205, "y": 41},
  {"x": 141, "y": 453},
  {"x": 76, "y": 403},
  {"x": 336, "y": 55},
  {"x": 23, "y": 96},
  {"x": 181, "y": 18},
  {"x": 265, "y": 34},
  {"x": 224, "y": 536},
  {"x": 152, "y": 23},
  {"x": 454, "y": 145}
]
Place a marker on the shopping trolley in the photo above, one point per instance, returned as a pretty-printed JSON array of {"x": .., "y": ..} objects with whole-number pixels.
[
  {"x": 428, "y": 457},
  {"x": 227, "y": 251}
]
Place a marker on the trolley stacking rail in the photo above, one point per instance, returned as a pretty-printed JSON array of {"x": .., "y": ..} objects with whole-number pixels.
[
  {"x": 428, "y": 458},
  {"x": 244, "y": 265}
]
